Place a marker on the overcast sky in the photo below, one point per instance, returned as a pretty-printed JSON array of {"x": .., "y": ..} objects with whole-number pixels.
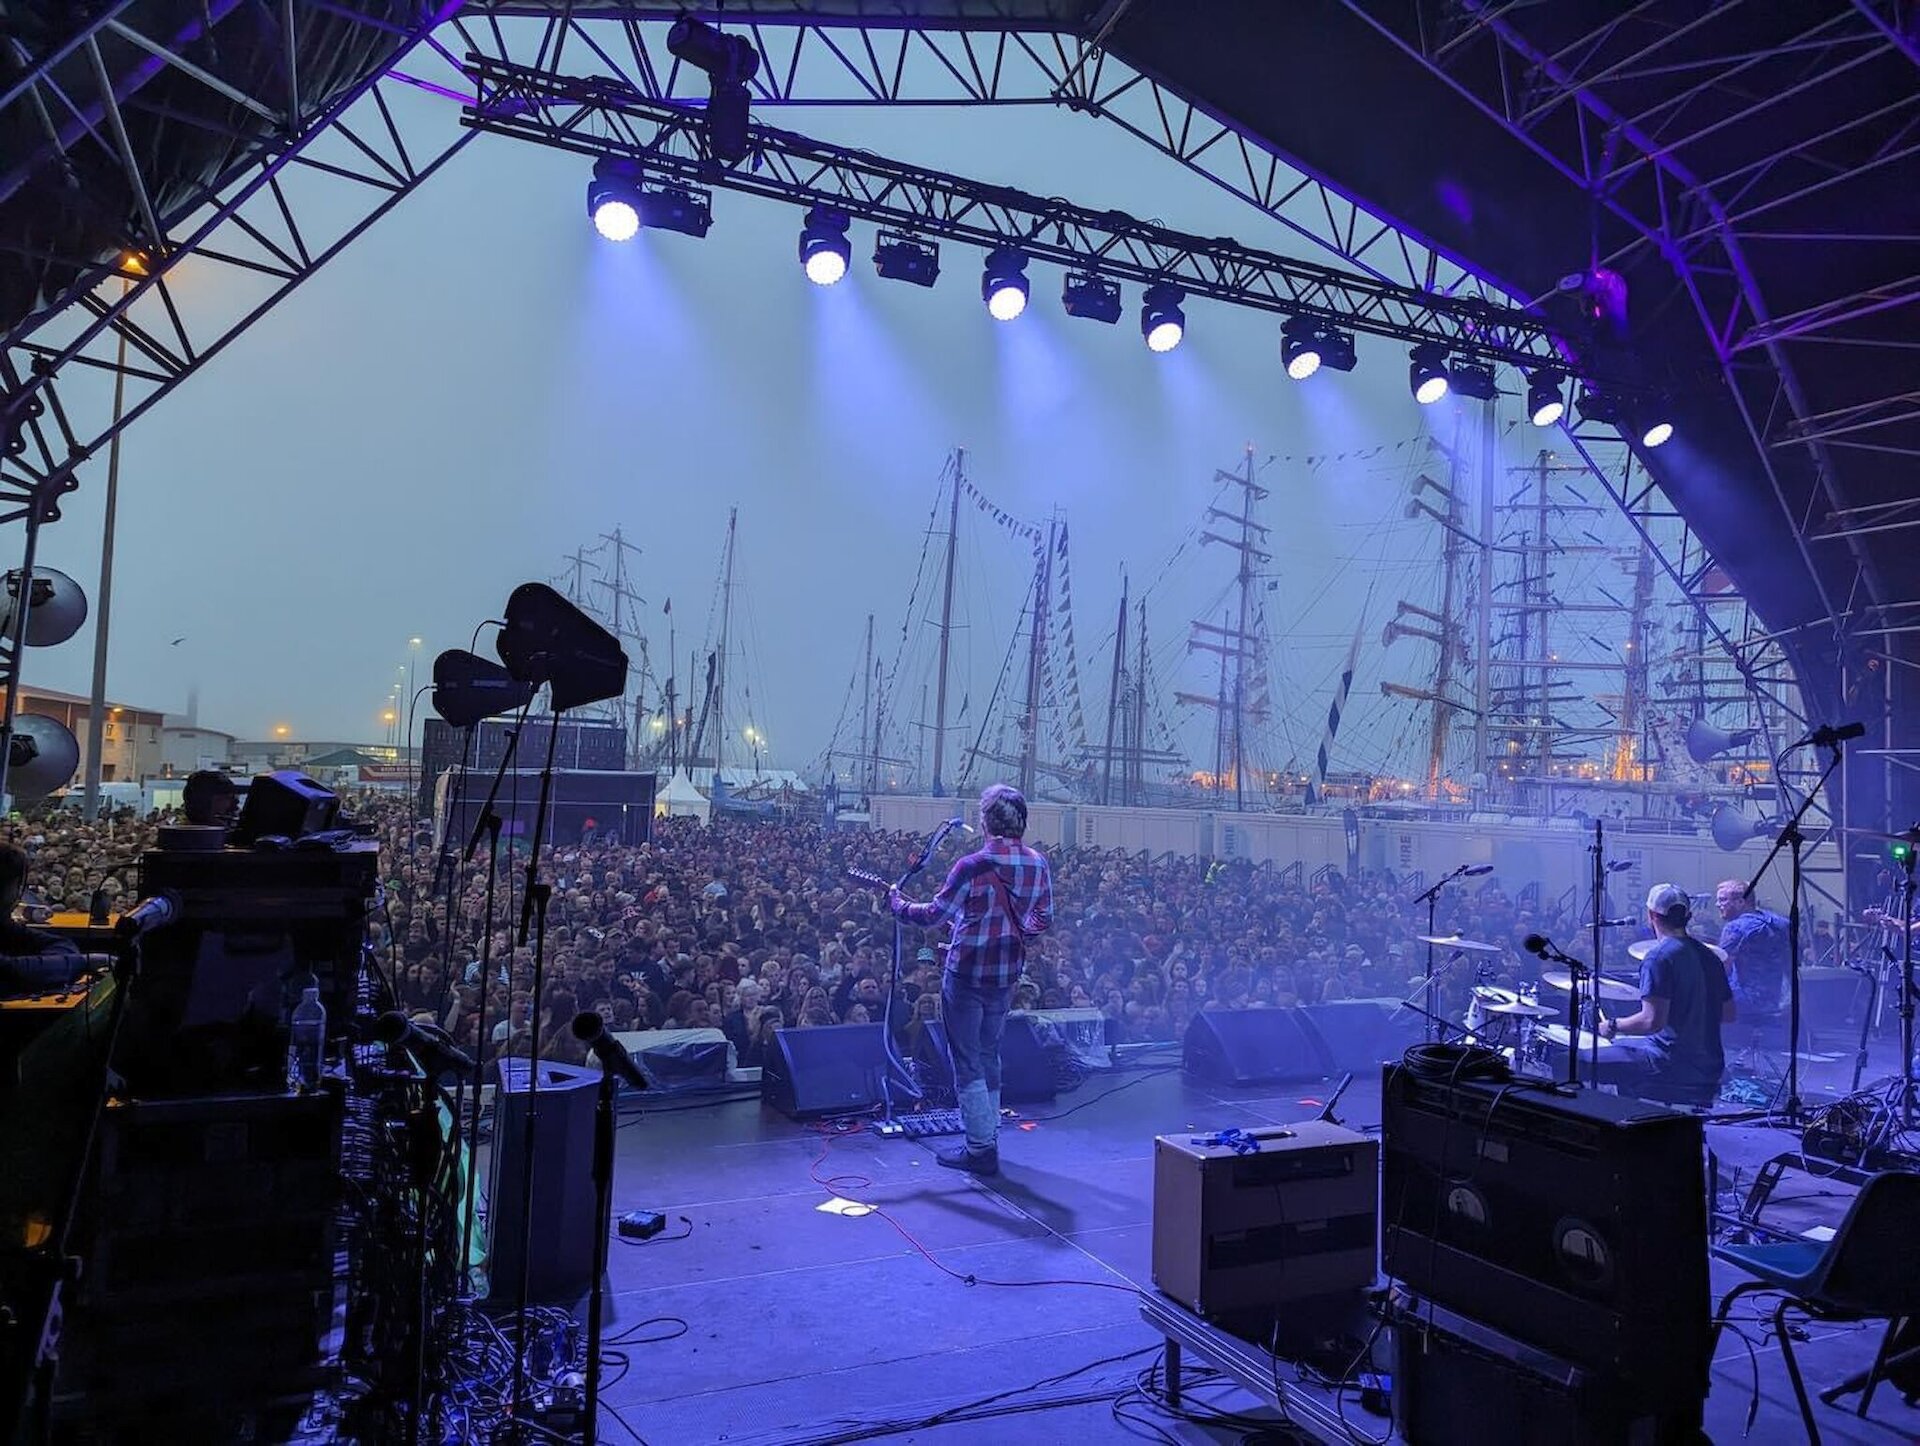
[{"x": 480, "y": 384}]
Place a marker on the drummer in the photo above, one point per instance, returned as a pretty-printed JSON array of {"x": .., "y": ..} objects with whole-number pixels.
[{"x": 1685, "y": 1000}]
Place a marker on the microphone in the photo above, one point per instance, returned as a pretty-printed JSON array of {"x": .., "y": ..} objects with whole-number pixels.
[
  {"x": 1829, "y": 736},
  {"x": 155, "y": 911},
  {"x": 1537, "y": 945},
  {"x": 612, "y": 1054},
  {"x": 432, "y": 1048},
  {"x": 1619, "y": 866},
  {"x": 1473, "y": 871},
  {"x": 1617, "y": 923}
]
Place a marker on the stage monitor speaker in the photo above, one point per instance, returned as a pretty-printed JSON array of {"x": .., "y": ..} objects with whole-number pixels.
[
  {"x": 830, "y": 1069},
  {"x": 1576, "y": 1223},
  {"x": 561, "y": 1263},
  {"x": 1360, "y": 1034},
  {"x": 1253, "y": 1047}
]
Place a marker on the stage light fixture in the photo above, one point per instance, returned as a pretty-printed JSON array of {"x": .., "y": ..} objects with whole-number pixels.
[
  {"x": 899, "y": 257},
  {"x": 1596, "y": 406},
  {"x": 1337, "y": 353},
  {"x": 1300, "y": 348},
  {"x": 676, "y": 208},
  {"x": 824, "y": 248},
  {"x": 1090, "y": 297},
  {"x": 613, "y": 198},
  {"x": 729, "y": 62},
  {"x": 1472, "y": 379},
  {"x": 1003, "y": 285},
  {"x": 1657, "y": 432},
  {"x": 1545, "y": 402},
  {"x": 1427, "y": 372},
  {"x": 1162, "y": 322}
]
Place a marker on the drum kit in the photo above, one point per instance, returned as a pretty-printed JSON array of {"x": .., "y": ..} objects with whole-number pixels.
[{"x": 1516, "y": 1023}]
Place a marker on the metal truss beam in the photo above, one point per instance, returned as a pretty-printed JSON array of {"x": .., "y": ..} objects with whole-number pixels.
[
  {"x": 252, "y": 235},
  {"x": 597, "y": 117},
  {"x": 1638, "y": 177}
]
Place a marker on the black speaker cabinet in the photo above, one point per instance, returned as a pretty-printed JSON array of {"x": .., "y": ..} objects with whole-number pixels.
[
  {"x": 1253, "y": 1047},
  {"x": 1573, "y": 1222},
  {"x": 561, "y": 1258},
  {"x": 831, "y": 1069},
  {"x": 1454, "y": 1378}
]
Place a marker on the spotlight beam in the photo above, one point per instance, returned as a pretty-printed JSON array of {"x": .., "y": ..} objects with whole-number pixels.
[{"x": 595, "y": 117}]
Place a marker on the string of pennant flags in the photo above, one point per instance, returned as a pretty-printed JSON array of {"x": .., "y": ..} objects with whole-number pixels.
[{"x": 1015, "y": 527}]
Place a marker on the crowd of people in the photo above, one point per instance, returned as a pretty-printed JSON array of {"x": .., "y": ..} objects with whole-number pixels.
[{"x": 751, "y": 925}]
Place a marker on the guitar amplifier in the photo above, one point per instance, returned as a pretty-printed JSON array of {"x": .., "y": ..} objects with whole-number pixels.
[
  {"x": 1576, "y": 1223},
  {"x": 1290, "y": 1220}
]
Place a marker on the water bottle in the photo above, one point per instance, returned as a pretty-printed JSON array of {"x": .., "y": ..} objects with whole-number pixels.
[{"x": 307, "y": 1041}]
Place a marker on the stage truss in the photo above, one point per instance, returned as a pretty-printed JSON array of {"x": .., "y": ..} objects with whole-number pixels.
[{"x": 275, "y": 214}]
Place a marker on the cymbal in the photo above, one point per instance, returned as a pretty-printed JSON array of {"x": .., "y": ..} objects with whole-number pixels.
[
  {"x": 1490, "y": 994},
  {"x": 1520, "y": 1009},
  {"x": 1640, "y": 948},
  {"x": 1454, "y": 941},
  {"x": 1557, "y": 1034},
  {"x": 1617, "y": 990}
]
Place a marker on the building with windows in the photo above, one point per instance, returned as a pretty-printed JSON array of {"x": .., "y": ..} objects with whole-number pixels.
[{"x": 132, "y": 743}]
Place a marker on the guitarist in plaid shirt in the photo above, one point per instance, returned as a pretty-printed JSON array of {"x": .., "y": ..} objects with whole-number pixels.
[{"x": 995, "y": 899}]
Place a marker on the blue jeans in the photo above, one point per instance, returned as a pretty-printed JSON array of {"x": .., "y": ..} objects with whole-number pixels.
[{"x": 975, "y": 1019}]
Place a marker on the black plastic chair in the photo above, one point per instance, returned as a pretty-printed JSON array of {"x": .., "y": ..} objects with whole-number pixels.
[{"x": 1869, "y": 1270}]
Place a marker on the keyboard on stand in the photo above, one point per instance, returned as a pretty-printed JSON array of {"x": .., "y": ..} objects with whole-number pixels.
[{"x": 921, "y": 1126}]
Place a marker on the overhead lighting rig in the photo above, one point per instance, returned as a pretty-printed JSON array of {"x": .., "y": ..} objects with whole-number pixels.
[{"x": 900, "y": 257}]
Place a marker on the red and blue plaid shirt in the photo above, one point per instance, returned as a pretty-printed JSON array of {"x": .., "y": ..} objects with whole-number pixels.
[{"x": 996, "y": 898}]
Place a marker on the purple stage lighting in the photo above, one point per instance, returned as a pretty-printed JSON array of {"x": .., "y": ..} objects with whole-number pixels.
[
  {"x": 1473, "y": 379},
  {"x": 824, "y": 249},
  {"x": 613, "y": 198},
  {"x": 1427, "y": 373},
  {"x": 1003, "y": 285},
  {"x": 899, "y": 257},
  {"x": 1300, "y": 346},
  {"x": 1091, "y": 298},
  {"x": 1657, "y": 433},
  {"x": 1545, "y": 402},
  {"x": 1162, "y": 322}
]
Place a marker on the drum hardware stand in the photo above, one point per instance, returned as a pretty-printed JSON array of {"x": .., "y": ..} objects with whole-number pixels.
[
  {"x": 1906, "y": 980},
  {"x": 1792, "y": 839}
]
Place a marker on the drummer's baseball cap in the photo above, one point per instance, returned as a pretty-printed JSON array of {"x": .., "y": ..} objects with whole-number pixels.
[{"x": 1669, "y": 902}]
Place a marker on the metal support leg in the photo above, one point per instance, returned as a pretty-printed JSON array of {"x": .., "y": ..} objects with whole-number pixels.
[
  {"x": 1793, "y": 1368},
  {"x": 1173, "y": 1373}
]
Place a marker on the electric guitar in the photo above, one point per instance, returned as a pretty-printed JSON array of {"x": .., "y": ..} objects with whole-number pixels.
[{"x": 868, "y": 876}]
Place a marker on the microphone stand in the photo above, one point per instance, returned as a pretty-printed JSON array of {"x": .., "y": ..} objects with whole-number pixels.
[
  {"x": 491, "y": 821},
  {"x": 1792, "y": 839},
  {"x": 533, "y": 920},
  {"x": 917, "y": 867},
  {"x": 1599, "y": 852},
  {"x": 1906, "y": 994},
  {"x": 1431, "y": 898},
  {"x": 1576, "y": 972},
  {"x": 603, "y": 1129}
]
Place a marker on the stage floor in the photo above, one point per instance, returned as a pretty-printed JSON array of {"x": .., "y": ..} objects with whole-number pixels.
[{"x": 808, "y": 1321}]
